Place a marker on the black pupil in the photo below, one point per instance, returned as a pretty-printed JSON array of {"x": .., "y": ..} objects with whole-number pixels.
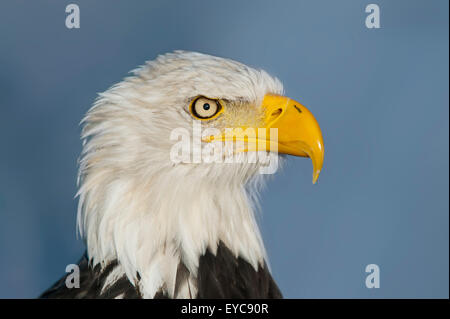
[{"x": 206, "y": 106}]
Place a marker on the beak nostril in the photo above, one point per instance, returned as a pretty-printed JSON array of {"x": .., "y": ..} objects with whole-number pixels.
[{"x": 276, "y": 113}]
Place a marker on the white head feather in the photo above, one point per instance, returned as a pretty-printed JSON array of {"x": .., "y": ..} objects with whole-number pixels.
[{"x": 140, "y": 208}]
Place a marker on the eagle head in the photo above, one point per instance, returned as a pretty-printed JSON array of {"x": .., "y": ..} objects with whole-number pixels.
[{"x": 172, "y": 161}]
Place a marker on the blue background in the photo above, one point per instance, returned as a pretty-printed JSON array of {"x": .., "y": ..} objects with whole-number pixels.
[{"x": 380, "y": 96}]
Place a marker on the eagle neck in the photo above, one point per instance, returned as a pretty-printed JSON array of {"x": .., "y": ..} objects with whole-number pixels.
[{"x": 152, "y": 225}]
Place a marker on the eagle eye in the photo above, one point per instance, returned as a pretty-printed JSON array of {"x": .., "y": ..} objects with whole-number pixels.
[{"x": 204, "y": 108}]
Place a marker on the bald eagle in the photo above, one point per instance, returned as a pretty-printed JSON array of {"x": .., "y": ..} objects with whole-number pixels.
[{"x": 157, "y": 227}]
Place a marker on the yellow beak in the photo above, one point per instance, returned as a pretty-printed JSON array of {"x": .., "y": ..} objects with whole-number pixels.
[{"x": 298, "y": 132}]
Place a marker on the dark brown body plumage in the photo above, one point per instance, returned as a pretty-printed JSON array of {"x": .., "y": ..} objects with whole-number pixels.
[{"x": 219, "y": 276}]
